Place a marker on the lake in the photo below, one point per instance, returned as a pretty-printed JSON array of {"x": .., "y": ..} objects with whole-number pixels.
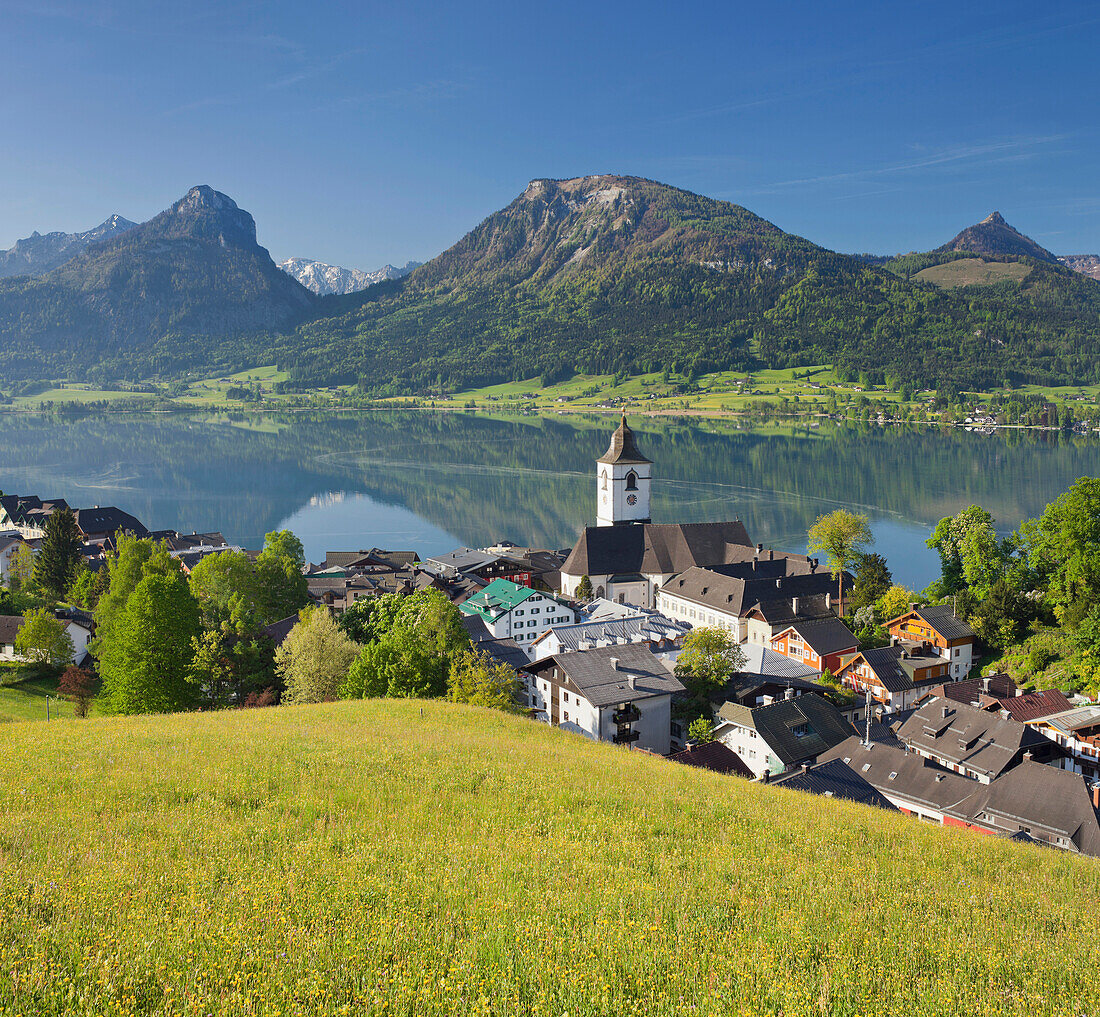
[{"x": 433, "y": 481}]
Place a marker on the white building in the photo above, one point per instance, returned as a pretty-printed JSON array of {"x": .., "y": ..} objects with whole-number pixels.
[
  {"x": 651, "y": 629},
  {"x": 618, "y": 694},
  {"x": 511, "y": 611},
  {"x": 623, "y": 476}
]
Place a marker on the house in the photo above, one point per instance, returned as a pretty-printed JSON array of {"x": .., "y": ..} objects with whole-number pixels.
[
  {"x": 782, "y": 734},
  {"x": 979, "y": 691},
  {"x": 972, "y": 742},
  {"x": 819, "y": 643},
  {"x": 1031, "y": 801},
  {"x": 1077, "y": 731},
  {"x": 503, "y": 651},
  {"x": 619, "y": 694},
  {"x": 937, "y": 627},
  {"x": 1027, "y": 707},
  {"x": 517, "y": 612},
  {"x": 28, "y": 513},
  {"x": 79, "y": 628},
  {"x": 834, "y": 779},
  {"x": 713, "y": 756},
  {"x": 896, "y": 675},
  {"x": 755, "y": 600},
  {"x": 655, "y": 631},
  {"x": 10, "y": 542}
]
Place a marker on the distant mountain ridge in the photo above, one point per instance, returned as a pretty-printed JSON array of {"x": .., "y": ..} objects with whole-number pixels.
[
  {"x": 994, "y": 236},
  {"x": 161, "y": 292},
  {"x": 324, "y": 279},
  {"x": 41, "y": 253}
]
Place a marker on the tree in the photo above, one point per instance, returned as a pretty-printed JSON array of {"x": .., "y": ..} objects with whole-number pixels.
[
  {"x": 21, "y": 567},
  {"x": 371, "y": 618},
  {"x": 145, "y": 658},
  {"x": 59, "y": 554},
  {"x": 283, "y": 589},
  {"x": 873, "y": 579},
  {"x": 896, "y": 601},
  {"x": 477, "y": 679},
  {"x": 709, "y": 659},
  {"x": 584, "y": 589},
  {"x": 842, "y": 536},
  {"x": 1001, "y": 618},
  {"x": 224, "y": 583},
  {"x": 42, "y": 639},
  {"x": 314, "y": 659},
  {"x": 133, "y": 560},
  {"x": 413, "y": 658},
  {"x": 701, "y": 730},
  {"x": 76, "y": 684},
  {"x": 82, "y": 590},
  {"x": 1063, "y": 547},
  {"x": 970, "y": 551}
]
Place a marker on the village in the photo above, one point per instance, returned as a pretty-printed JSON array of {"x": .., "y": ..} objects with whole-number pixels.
[{"x": 594, "y": 633}]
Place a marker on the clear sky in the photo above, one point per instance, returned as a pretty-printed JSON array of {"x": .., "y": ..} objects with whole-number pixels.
[{"x": 362, "y": 133}]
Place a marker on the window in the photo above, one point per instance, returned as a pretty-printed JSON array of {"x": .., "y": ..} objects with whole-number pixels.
[{"x": 632, "y": 481}]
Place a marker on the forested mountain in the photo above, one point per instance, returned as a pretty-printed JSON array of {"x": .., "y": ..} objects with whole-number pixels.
[
  {"x": 40, "y": 253},
  {"x": 158, "y": 298},
  {"x": 993, "y": 236},
  {"x": 614, "y": 273},
  {"x": 594, "y": 274}
]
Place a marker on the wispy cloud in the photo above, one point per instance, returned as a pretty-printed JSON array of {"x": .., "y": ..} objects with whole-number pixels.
[{"x": 956, "y": 155}]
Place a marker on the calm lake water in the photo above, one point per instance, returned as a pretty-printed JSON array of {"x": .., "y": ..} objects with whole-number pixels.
[{"x": 433, "y": 481}]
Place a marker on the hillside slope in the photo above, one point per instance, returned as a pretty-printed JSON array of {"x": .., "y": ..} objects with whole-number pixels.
[
  {"x": 994, "y": 236},
  {"x": 405, "y": 857},
  {"x": 166, "y": 292},
  {"x": 611, "y": 273}
]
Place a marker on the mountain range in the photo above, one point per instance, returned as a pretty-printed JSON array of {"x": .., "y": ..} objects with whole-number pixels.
[
  {"x": 593, "y": 274},
  {"x": 325, "y": 280},
  {"x": 40, "y": 253}
]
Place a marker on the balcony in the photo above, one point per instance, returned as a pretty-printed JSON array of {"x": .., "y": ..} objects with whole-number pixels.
[
  {"x": 626, "y": 715},
  {"x": 626, "y": 737}
]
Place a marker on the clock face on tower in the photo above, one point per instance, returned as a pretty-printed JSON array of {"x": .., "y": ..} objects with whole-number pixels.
[{"x": 631, "y": 499}]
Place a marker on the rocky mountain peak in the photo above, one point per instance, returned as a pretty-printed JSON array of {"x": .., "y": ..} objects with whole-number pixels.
[{"x": 996, "y": 219}]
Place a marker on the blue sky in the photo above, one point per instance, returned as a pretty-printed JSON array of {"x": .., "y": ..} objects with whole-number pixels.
[{"x": 365, "y": 133}]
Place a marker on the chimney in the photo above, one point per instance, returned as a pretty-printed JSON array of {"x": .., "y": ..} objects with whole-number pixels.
[
  {"x": 1027, "y": 756},
  {"x": 754, "y": 564},
  {"x": 946, "y": 712},
  {"x": 631, "y": 681},
  {"x": 789, "y": 694},
  {"x": 759, "y": 548},
  {"x": 985, "y": 684},
  {"x": 1096, "y": 795},
  {"x": 765, "y": 777},
  {"x": 779, "y": 584},
  {"x": 894, "y": 640},
  {"x": 813, "y": 566},
  {"x": 771, "y": 554},
  {"x": 614, "y": 663},
  {"x": 794, "y": 605},
  {"x": 805, "y": 767}
]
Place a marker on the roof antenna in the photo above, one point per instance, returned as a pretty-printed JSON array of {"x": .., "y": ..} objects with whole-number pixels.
[{"x": 867, "y": 711}]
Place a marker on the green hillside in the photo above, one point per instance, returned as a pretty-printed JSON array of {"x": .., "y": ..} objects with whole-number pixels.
[
  {"x": 613, "y": 274},
  {"x": 421, "y": 858}
]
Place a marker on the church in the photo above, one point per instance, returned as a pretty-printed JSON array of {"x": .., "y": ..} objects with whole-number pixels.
[{"x": 626, "y": 556}]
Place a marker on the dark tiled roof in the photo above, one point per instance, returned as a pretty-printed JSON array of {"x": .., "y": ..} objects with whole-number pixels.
[
  {"x": 895, "y": 666},
  {"x": 107, "y": 519},
  {"x": 713, "y": 756},
  {"x": 942, "y": 619},
  {"x": 591, "y": 671},
  {"x": 778, "y": 722},
  {"x": 656, "y": 548},
  {"x": 981, "y": 740},
  {"x": 1033, "y": 705},
  {"x": 623, "y": 447},
  {"x": 504, "y": 651},
  {"x": 10, "y": 624},
  {"x": 278, "y": 631},
  {"x": 826, "y": 635},
  {"x": 971, "y": 690},
  {"x": 772, "y": 597},
  {"x": 1034, "y": 795},
  {"x": 836, "y": 780},
  {"x": 906, "y": 775}
]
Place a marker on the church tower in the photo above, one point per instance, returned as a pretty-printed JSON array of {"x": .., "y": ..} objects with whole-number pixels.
[{"x": 622, "y": 481}]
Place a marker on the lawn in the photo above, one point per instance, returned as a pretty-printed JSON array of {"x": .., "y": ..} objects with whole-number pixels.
[
  {"x": 424, "y": 858},
  {"x": 973, "y": 272},
  {"x": 25, "y": 698}
]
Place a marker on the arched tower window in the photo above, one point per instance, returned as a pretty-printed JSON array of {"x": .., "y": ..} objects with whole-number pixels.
[
  {"x": 632, "y": 481},
  {"x": 603, "y": 480}
]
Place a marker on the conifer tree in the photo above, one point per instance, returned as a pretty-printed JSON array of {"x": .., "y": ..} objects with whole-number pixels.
[{"x": 59, "y": 555}]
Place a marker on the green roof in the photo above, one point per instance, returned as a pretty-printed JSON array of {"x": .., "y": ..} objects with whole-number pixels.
[{"x": 498, "y": 598}]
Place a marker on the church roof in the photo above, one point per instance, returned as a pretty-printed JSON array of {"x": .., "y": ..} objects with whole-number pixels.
[
  {"x": 623, "y": 447},
  {"x": 655, "y": 548}
]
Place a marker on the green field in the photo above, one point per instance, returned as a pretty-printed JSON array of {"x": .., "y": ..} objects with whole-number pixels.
[
  {"x": 422, "y": 858},
  {"x": 25, "y": 698},
  {"x": 973, "y": 272}
]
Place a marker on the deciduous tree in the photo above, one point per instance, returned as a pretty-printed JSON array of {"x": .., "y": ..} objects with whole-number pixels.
[
  {"x": 42, "y": 639},
  {"x": 842, "y": 536},
  {"x": 477, "y": 679},
  {"x": 76, "y": 685},
  {"x": 314, "y": 659}
]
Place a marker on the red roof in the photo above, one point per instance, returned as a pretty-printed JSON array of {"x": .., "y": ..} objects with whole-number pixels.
[{"x": 1034, "y": 705}]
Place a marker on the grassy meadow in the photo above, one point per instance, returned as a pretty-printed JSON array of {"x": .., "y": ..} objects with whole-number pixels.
[{"x": 424, "y": 858}]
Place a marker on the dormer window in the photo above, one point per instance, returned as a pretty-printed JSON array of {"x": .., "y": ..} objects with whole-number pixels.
[{"x": 632, "y": 481}]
